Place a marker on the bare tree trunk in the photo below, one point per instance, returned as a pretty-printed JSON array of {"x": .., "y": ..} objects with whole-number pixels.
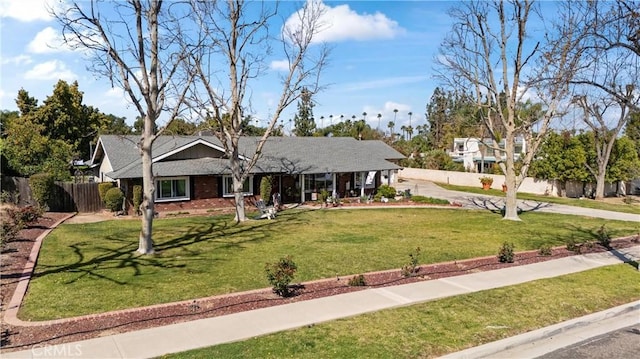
[
  {"x": 511, "y": 178},
  {"x": 145, "y": 242},
  {"x": 600, "y": 181}
]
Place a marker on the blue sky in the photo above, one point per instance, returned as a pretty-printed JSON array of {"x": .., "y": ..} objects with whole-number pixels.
[{"x": 381, "y": 59}]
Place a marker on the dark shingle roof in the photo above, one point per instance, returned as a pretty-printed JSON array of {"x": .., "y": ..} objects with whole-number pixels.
[{"x": 295, "y": 155}]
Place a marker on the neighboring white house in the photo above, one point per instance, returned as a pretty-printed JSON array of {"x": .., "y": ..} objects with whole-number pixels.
[{"x": 478, "y": 155}]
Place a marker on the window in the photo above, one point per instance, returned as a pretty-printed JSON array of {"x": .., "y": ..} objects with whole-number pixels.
[
  {"x": 171, "y": 189},
  {"x": 227, "y": 186}
]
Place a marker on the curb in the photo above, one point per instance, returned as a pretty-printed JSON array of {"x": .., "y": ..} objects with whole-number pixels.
[{"x": 517, "y": 346}]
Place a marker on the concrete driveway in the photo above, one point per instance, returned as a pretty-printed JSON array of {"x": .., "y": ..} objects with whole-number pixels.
[{"x": 477, "y": 201}]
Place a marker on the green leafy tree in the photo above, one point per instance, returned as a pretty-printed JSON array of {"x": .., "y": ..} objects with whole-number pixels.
[
  {"x": 561, "y": 157},
  {"x": 26, "y": 104},
  {"x": 180, "y": 127},
  {"x": 114, "y": 125},
  {"x": 304, "y": 122},
  {"x": 633, "y": 130},
  {"x": 41, "y": 155},
  {"x": 65, "y": 118},
  {"x": 624, "y": 164}
]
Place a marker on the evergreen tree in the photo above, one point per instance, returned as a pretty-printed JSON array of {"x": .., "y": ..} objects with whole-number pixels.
[{"x": 305, "y": 125}]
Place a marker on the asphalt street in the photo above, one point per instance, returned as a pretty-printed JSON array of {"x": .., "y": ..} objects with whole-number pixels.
[{"x": 620, "y": 344}]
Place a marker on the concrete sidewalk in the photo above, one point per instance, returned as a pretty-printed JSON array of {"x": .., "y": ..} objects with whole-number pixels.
[
  {"x": 479, "y": 201},
  {"x": 235, "y": 327}
]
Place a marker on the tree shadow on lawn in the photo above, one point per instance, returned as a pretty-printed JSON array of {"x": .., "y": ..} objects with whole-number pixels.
[
  {"x": 497, "y": 205},
  {"x": 125, "y": 256}
]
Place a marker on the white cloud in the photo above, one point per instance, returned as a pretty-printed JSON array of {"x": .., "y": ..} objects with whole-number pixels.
[
  {"x": 17, "y": 60},
  {"x": 115, "y": 93},
  {"x": 340, "y": 23},
  {"x": 47, "y": 41},
  {"x": 50, "y": 70},
  {"x": 28, "y": 10},
  {"x": 280, "y": 65}
]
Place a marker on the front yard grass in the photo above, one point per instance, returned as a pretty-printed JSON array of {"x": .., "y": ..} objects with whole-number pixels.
[
  {"x": 448, "y": 325},
  {"x": 633, "y": 208},
  {"x": 93, "y": 268}
]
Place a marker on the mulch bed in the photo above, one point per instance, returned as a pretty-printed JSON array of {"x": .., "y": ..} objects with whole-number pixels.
[{"x": 15, "y": 254}]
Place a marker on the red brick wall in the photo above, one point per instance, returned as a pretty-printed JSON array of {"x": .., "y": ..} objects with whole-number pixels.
[{"x": 204, "y": 187}]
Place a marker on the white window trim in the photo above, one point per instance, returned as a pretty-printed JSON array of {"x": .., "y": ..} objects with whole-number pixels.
[
  {"x": 229, "y": 178},
  {"x": 187, "y": 196}
]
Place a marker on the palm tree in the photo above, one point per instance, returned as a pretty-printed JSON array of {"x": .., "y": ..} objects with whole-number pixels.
[
  {"x": 341, "y": 118},
  {"x": 409, "y": 132},
  {"x": 379, "y": 117},
  {"x": 391, "y": 126},
  {"x": 321, "y": 121},
  {"x": 331, "y": 120},
  {"x": 403, "y": 128},
  {"x": 410, "y": 114},
  {"x": 364, "y": 116}
]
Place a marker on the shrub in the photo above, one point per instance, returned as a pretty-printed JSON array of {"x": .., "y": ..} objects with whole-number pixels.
[
  {"x": 411, "y": 268},
  {"x": 505, "y": 255},
  {"x": 430, "y": 200},
  {"x": 265, "y": 189},
  {"x": 42, "y": 187},
  {"x": 386, "y": 191},
  {"x": 103, "y": 187},
  {"x": 137, "y": 199},
  {"x": 545, "y": 250},
  {"x": 322, "y": 196},
  {"x": 25, "y": 216},
  {"x": 486, "y": 180},
  {"x": 280, "y": 275},
  {"x": 8, "y": 197},
  {"x": 358, "y": 281},
  {"x": 573, "y": 246},
  {"x": 9, "y": 232},
  {"x": 604, "y": 239},
  {"x": 113, "y": 199}
]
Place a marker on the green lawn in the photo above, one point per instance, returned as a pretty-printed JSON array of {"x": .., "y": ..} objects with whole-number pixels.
[
  {"x": 436, "y": 328},
  {"x": 586, "y": 203},
  {"x": 92, "y": 268}
]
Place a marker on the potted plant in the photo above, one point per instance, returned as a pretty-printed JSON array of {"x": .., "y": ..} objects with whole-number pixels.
[{"x": 486, "y": 182}]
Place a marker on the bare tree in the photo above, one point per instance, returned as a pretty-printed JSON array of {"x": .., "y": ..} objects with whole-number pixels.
[
  {"x": 135, "y": 45},
  {"x": 606, "y": 86},
  {"x": 490, "y": 50},
  {"x": 236, "y": 55}
]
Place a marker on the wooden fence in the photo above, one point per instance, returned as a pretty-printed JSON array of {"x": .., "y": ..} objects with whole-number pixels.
[{"x": 67, "y": 196}]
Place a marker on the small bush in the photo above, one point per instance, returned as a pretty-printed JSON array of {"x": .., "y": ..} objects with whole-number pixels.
[
  {"x": 411, "y": 268},
  {"x": 604, "y": 239},
  {"x": 545, "y": 250},
  {"x": 505, "y": 255},
  {"x": 385, "y": 191},
  {"x": 265, "y": 189},
  {"x": 42, "y": 187},
  {"x": 430, "y": 200},
  {"x": 9, "y": 232},
  {"x": 25, "y": 216},
  {"x": 280, "y": 275},
  {"x": 113, "y": 199},
  {"x": 358, "y": 281},
  {"x": 137, "y": 199},
  {"x": 573, "y": 246},
  {"x": 103, "y": 187},
  {"x": 8, "y": 197}
]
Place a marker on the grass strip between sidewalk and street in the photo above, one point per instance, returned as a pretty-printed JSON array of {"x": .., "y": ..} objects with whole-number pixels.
[
  {"x": 94, "y": 268},
  {"x": 444, "y": 326},
  {"x": 633, "y": 208}
]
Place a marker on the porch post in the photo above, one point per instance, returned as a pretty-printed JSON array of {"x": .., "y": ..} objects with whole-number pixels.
[
  {"x": 301, "y": 188},
  {"x": 335, "y": 184},
  {"x": 362, "y": 184}
]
